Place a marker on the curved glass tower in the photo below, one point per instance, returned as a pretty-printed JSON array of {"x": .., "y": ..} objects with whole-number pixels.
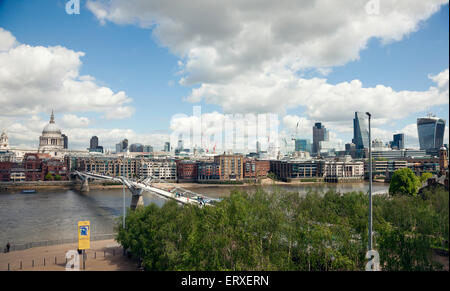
[
  {"x": 431, "y": 132},
  {"x": 360, "y": 131}
]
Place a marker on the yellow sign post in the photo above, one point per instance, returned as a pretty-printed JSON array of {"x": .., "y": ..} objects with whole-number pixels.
[{"x": 84, "y": 235}]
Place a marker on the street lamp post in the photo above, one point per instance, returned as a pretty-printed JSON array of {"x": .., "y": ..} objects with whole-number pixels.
[
  {"x": 370, "y": 184},
  {"x": 123, "y": 218},
  {"x": 123, "y": 192}
]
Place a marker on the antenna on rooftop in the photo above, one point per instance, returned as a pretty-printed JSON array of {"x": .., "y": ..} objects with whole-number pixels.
[{"x": 429, "y": 112}]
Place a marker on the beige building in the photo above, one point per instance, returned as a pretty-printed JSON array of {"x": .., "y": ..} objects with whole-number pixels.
[
  {"x": 127, "y": 167},
  {"x": 231, "y": 167},
  {"x": 161, "y": 169},
  {"x": 337, "y": 171},
  {"x": 109, "y": 166},
  {"x": 384, "y": 167}
]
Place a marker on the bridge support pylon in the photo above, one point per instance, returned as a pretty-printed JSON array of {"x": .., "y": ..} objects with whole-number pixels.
[
  {"x": 136, "y": 201},
  {"x": 84, "y": 186}
]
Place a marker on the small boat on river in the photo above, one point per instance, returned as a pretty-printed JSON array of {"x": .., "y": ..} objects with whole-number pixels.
[{"x": 29, "y": 191}]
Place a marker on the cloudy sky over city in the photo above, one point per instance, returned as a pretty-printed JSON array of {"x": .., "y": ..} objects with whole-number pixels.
[{"x": 136, "y": 68}]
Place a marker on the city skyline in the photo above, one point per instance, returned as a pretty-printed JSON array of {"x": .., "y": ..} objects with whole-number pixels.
[
  {"x": 237, "y": 136},
  {"x": 143, "y": 88}
]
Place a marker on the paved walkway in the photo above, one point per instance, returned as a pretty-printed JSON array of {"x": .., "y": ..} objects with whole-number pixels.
[{"x": 104, "y": 255}]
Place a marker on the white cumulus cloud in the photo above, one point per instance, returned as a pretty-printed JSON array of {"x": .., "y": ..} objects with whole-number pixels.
[
  {"x": 246, "y": 55},
  {"x": 36, "y": 79}
]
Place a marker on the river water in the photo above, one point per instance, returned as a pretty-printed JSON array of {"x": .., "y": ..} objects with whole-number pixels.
[{"x": 54, "y": 214}]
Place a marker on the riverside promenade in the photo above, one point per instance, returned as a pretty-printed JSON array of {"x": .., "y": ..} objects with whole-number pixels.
[{"x": 104, "y": 255}]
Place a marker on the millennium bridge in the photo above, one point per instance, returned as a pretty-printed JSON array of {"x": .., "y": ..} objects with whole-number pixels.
[{"x": 137, "y": 187}]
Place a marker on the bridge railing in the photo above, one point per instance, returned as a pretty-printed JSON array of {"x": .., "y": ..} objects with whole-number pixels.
[{"x": 174, "y": 190}]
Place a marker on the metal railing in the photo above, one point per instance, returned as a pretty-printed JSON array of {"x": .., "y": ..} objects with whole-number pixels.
[{"x": 24, "y": 246}]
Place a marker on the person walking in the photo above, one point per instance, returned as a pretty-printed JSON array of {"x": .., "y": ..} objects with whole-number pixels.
[{"x": 8, "y": 246}]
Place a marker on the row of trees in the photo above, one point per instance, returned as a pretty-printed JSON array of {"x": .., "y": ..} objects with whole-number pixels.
[
  {"x": 287, "y": 231},
  {"x": 50, "y": 177}
]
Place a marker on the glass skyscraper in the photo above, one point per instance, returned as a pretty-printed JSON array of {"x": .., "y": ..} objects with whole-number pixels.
[
  {"x": 431, "y": 132},
  {"x": 303, "y": 145},
  {"x": 94, "y": 142},
  {"x": 167, "y": 147},
  {"x": 320, "y": 133},
  {"x": 398, "y": 142},
  {"x": 360, "y": 131}
]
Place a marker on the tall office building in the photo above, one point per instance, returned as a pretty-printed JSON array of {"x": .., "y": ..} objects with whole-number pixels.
[
  {"x": 93, "y": 143},
  {"x": 303, "y": 145},
  {"x": 398, "y": 142},
  {"x": 65, "y": 141},
  {"x": 167, "y": 147},
  {"x": 180, "y": 143},
  {"x": 258, "y": 147},
  {"x": 122, "y": 146},
  {"x": 431, "y": 132},
  {"x": 377, "y": 143},
  {"x": 360, "y": 131},
  {"x": 147, "y": 149},
  {"x": 320, "y": 133},
  {"x": 136, "y": 148},
  {"x": 350, "y": 149}
]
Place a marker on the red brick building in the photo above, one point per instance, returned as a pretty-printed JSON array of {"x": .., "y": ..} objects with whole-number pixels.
[
  {"x": 420, "y": 165},
  {"x": 55, "y": 168},
  {"x": 38, "y": 166},
  {"x": 207, "y": 171},
  {"x": 186, "y": 171},
  {"x": 262, "y": 169},
  {"x": 5, "y": 171},
  {"x": 32, "y": 164},
  {"x": 255, "y": 169}
]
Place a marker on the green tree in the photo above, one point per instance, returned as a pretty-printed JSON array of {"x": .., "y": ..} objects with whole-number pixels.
[
  {"x": 49, "y": 177},
  {"x": 425, "y": 176},
  {"x": 58, "y": 177},
  {"x": 287, "y": 231},
  {"x": 404, "y": 182}
]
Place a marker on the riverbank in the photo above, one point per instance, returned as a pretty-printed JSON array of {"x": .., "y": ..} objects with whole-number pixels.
[
  {"x": 105, "y": 255},
  {"x": 98, "y": 185},
  {"x": 56, "y": 185},
  {"x": 263, "y": 182}
]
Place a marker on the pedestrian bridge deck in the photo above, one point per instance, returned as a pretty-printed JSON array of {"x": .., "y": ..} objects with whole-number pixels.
[{"x": 178, "y": 194}]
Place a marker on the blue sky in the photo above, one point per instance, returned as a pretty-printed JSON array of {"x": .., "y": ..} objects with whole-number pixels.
[
  {"x": 131, "y": 58},
  {"x": 120, "y": 57}
]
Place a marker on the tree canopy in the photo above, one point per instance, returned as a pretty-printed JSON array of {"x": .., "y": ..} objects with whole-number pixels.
[
  {"x": 425, "y": 176},
  {"x": 404, "y": 182},
  {"x": 287, "y": 231}
]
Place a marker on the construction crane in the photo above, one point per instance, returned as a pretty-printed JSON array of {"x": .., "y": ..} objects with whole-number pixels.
[
  {"x": 286, "y": 148},
  {"x": 294, "y": 137}
]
